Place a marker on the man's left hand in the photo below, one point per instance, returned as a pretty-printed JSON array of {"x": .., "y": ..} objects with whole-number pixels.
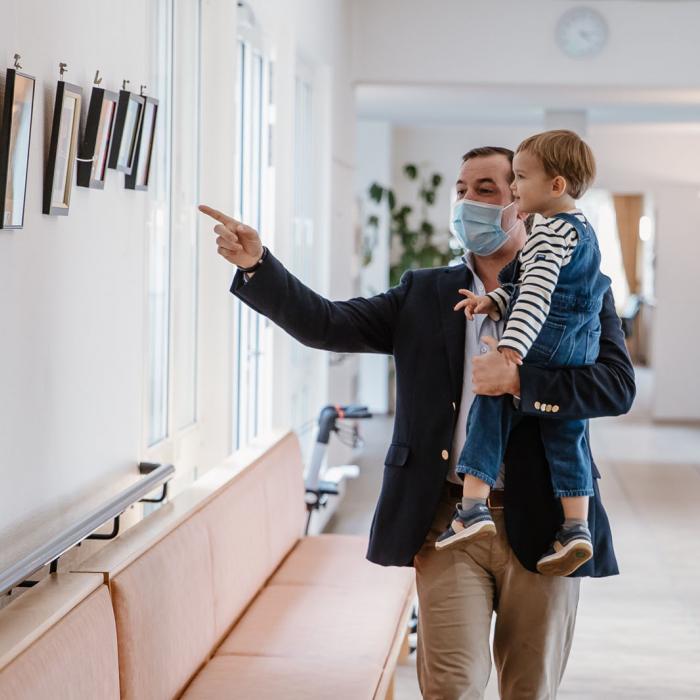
[{"x": 493, "y": 374}]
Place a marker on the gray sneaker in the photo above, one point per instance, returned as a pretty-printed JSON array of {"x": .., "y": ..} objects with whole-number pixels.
[
  {"x": 570, "y": 550},
  {"x": 467, "y": 526}
]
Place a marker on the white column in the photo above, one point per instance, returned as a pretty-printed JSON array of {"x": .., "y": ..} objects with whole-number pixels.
[
  {"x": 374, "y": 148},
  {"x": 572, "y": 119}
]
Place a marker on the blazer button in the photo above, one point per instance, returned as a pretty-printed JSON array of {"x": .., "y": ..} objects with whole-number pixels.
[
  {"x": 537, "y": 405},
  {"x": 543, "y": 407},
  {"x": 555, "y": 409},
  {"x": 454, "y": 406},
  {"x": 445, "y": 455},
  {"x": 549, "y": 408}
]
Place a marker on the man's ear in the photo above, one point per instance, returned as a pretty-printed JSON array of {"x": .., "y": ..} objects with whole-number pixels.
[{"x": 558, "y": 186}]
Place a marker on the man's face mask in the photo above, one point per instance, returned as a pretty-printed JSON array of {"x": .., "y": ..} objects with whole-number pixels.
[{"x": 479, "y": 227}]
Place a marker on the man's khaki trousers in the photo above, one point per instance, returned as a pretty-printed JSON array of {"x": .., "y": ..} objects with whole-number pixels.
[{"x": 458, "y": 591}]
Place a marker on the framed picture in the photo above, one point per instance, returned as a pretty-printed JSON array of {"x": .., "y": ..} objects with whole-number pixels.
[
  {"x": 58, "y": 180},
  {"x": 94, "y": 151},
  {"x": 140, "y": 175},
  {"x": 15, "y": 136},
  {"x": 126, "y": 130}
]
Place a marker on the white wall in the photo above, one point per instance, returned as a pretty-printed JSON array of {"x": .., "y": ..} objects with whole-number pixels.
[
  {"x": 677, "y": 317},
  {"x": 72, "y": 297},
  {"x": 73, "y": 365},
  {"x": 511, "y": 42},
  {"x": 374, "y": 164}
]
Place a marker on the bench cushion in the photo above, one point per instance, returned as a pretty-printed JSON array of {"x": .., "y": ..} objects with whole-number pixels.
[
  {"x": 284, "y": 494},
  {"x": 339, "y": 560},
  {"x": 237, "y": 526},
  {"x": 317, "y": 622},
  {"x": 75, "y": 658},
  {"x": 164, "y": 609},
  {"x": 274, "y": 678}
]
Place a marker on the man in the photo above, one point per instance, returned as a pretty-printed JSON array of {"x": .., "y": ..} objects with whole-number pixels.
[{"x": 433, "y": 348}]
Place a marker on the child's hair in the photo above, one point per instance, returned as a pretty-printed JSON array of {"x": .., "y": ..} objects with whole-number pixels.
[{"x": 563, "y": 153}]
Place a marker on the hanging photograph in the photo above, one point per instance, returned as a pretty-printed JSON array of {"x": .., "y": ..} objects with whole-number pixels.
[
  {"x": 15, "y": 136},
  {"x": 126, "y": 131},
  {"x": 140, "y": 175},
  {"x": 94, "y": 151},
  {"x": 58, "y": 181}
]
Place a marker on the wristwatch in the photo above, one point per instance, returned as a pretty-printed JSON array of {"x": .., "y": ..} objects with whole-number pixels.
[{"x": 253, "y": 268}]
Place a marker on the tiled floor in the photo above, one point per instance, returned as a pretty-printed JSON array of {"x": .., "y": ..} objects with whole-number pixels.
[{"x": 638, "y": 634}]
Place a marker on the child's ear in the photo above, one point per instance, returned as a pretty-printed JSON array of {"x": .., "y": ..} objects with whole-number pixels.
[{"x": 558, "y": 186}]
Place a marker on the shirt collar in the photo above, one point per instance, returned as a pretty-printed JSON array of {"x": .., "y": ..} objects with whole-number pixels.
[{"x": 468, "y": 260}]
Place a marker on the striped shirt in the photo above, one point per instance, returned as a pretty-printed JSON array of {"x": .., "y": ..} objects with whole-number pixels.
[{"x": 548, "y": 248}]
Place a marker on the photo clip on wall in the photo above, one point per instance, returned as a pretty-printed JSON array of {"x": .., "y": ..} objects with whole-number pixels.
[
  {"x": 97, "y": 140},
  {"x": 126, "y": 130},
  {"x": 58, "y": 179},
  {"x": 15, "y": 137},
  {"x": 140, "y": 174}
]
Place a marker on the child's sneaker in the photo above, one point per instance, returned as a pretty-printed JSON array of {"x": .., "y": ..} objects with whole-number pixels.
[
  {"x": 467, "y": 526},
  {"x": 571, "y": 549}
]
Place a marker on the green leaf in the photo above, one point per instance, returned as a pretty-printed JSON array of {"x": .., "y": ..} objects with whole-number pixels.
[
  {"x": 427, "y": 228},
  {"x": 373, "y": 221},
  {"x": 430, "y": 197},
  {"x": 391, "y": 198},
  {"x": 411, "y": 171},
  {"x": 375, "y": 192},
  {"x": 437, "y": 179}
]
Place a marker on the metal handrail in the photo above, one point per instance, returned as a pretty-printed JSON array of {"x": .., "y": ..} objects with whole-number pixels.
[{"x": 18, "y": 572}]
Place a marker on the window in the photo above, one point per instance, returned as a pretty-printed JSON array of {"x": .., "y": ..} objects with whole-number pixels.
[
  {"x": 158, "y": 334},
  {"x": 304, "y": 258},
  {"x": 251, "y": 341},
  {"x": 185, "y": 197},
  {"x": 173, "y": 243}
]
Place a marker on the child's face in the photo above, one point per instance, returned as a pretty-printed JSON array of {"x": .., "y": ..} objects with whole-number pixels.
[{"x": 532, "y": 188}]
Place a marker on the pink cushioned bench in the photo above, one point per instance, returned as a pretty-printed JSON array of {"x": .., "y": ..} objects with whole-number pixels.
[
  {"x": 219, "y": 595},
  {"x": 58, "y": 640}
]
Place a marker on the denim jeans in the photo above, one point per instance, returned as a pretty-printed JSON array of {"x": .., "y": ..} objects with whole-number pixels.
[{"x": 569, "y": 337}]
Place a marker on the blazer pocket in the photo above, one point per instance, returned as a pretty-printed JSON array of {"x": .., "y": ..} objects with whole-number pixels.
[{"x": 397, "y": 455}]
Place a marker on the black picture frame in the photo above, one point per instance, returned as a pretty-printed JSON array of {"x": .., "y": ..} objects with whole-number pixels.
[
  {"x": 143, "y": 156},
  {"x": 63, "y": 147},
  {"x": 95, "y": 148},
  {"x": 126, "y": 130},
  {"x": 15, "y": 143}
]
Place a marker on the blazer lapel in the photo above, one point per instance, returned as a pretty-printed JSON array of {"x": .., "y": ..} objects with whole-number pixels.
[{"x": 453, "y": 322}]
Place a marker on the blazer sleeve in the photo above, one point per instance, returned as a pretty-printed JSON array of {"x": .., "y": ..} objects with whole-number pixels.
[
  {"x": 605, "y": 388},
  {"x": 356, "y": 325}
]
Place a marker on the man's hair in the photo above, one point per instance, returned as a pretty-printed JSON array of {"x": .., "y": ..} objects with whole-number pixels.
[
  {"x": 491, "y": 151},
  {"x": 563, "y": 153}
]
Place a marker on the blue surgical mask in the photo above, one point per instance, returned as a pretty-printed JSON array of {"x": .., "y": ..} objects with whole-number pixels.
[{"x": 478, "y": 226}]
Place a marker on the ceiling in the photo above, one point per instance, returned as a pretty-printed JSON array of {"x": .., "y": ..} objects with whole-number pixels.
[{"x": 467, "y": 104}]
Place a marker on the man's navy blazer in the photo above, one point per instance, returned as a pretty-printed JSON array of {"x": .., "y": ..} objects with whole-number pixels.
[{"x": 415, "y": 323}]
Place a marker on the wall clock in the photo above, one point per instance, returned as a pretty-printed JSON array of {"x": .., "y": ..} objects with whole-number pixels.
[{"x": 582, "y": 32}]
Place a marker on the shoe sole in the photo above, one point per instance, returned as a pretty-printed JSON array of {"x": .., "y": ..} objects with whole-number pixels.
[
  {"x": 478, "y": 531},
  {"x": 569, "y": 558}
]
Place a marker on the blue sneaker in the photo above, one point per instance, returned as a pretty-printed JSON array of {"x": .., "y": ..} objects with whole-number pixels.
[
  {"x": 571, "y": 549},
  {"x": 467, "y": 526}
]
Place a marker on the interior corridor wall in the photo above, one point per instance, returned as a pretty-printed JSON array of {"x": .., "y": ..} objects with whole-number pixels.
[
  {"x": 73, "y": 303},
  {"x": 510, "y": 42},
  {"x": 72, "y": 288}
]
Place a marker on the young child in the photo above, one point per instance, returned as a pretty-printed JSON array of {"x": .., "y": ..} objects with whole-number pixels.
[{"x": 551, "y": 297}]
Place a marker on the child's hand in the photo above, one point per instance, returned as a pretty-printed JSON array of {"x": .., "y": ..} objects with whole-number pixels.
[
  {"x": 511, "y": 355},
  {"x": 474, "y": 304}
]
